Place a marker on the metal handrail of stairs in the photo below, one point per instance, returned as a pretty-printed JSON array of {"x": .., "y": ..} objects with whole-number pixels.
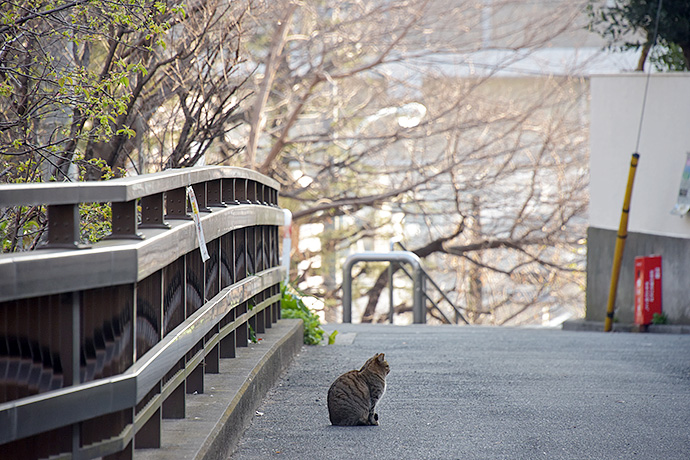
[
  {"x": 427, "y": 277},
  {"x": 419, "y": 277}
]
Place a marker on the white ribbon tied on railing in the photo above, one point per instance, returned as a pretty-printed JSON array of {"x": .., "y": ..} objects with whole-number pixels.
[{"x": 197, "y": 224}]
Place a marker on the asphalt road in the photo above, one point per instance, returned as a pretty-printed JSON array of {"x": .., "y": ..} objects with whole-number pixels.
[{"x": 486, "y": 393}]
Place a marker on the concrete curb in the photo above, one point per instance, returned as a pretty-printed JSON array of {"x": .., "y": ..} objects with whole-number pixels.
[
  {"x": 265, "y": 373},
  {"x": 216, "y": 420},
  {"x": 598, "y": 326}
]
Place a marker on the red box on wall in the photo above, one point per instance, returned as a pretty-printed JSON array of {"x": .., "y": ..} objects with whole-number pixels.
[{"x": 647, "y": 288}]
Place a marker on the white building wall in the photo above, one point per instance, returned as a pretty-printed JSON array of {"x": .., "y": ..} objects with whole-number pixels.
[
  {"x": 616, "y": 106},
  {"x": 664, "y": 140}
]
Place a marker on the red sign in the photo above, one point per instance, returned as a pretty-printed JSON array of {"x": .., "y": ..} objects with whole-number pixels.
[{"x": 647, "y": 288}]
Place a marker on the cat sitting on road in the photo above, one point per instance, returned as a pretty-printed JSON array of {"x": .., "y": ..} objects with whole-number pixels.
[{"x": 353, "y": 396}]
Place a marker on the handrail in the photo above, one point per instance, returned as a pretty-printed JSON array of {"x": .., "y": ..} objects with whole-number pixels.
[
  {"x": 108, "y": 395},
  {"x": 457, "y": 311},
  {"x": 434, "y": 304},
  {"x": 104, "y": 341},
  {"x": 418, "y": 310},
  {"x": 419, "y": 276},
  {"x": 123, "y": 189},
  {"x": 111, "y": 262},
  {"x": 155, "y": 193}
]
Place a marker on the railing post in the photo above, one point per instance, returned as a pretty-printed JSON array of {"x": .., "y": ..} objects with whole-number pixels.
[
  {"x": 149, "y": 435},
  {"x": 176, "y": 204},
  {"x": 240, "y": 186},
  {"x": 63, "y": 226},
  {"x": 347, "y": 290},
  {"x": 124, "y": 221},
  {"x": 214, "y": 193},
  {"x": 391, "y": 308},
  {"x": 419, "y": 304},
  {"x": 152, "y": 207},
  {"x": 228, "y": 191},
  {"x": 252, "y": 195},
  {"x": 200, "y": 192},
  {"x": 71, "y": 347}
]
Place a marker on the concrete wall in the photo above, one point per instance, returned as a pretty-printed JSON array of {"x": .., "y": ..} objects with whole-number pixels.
[
  {"x": 675, "y": 271},
  {"x": 616, "y": 106}
]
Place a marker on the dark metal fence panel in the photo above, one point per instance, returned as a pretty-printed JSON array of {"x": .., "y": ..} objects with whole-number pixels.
[
  {"x": 99, "y": 344},
  {"x": 227, "y": 260},
  {"x": 240, "y": 254},
  {"x": 194, "y": 292},
  {"x": 173, "y": 295},
  {"x": 107, "y": 332},
  {"x": 149, "y": 312},
  {"x": 212, "y": 275},
  {"x": 35, "y": 346}
]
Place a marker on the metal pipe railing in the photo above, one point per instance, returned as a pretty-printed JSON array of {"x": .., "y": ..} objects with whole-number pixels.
[
  {"x": 418, "y": 307},
  {"x": 457, "y": 311},
  {"x": 434, "y": 304},
  {"x": 419, "y": 278}
]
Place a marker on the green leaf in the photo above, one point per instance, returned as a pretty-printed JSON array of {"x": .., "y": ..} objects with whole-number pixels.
[
  {"x": 127, "y": 131},
  {"x": 331, "y": 337},
  {"x": 292, "y": 306},
  {"x": 252, "y": 334},
  {"x": 659, "y": 318}
]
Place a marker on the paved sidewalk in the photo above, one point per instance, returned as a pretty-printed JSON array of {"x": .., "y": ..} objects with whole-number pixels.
[{"x": 486, "y": 393}]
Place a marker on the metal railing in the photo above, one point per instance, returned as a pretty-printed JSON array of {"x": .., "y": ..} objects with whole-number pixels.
[
  {"x": 457, "y": 311},
  {"x": 98, "y": 344},
  {"x": 418, "y": 308},
  {"x": 420, "y": 279}
]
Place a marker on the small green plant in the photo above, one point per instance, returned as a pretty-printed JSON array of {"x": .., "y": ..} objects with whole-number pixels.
[
  {"x": 252, "y": 334},
  {"x": 659, "y": 318},
  {"x": 292, "y": 306}
]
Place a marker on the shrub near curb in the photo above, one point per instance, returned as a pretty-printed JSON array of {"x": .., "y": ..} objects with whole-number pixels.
[{"x": 292, "y": 306}]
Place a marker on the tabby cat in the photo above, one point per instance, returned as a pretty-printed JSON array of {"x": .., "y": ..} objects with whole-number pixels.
[{"x": 353, "y": 396}]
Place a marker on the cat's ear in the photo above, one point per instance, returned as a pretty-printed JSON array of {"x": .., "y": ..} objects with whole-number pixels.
[{"x": 380, "y": 357}]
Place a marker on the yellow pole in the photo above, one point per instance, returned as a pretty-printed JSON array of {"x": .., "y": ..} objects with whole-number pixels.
[{"x": 620, "y": 244}]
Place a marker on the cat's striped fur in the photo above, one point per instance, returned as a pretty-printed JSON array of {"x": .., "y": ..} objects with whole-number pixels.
[{"x": 353, "y": 396}]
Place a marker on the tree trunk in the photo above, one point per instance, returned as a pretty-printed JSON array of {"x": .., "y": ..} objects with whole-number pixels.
[{"x": 257, "y": 118}]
